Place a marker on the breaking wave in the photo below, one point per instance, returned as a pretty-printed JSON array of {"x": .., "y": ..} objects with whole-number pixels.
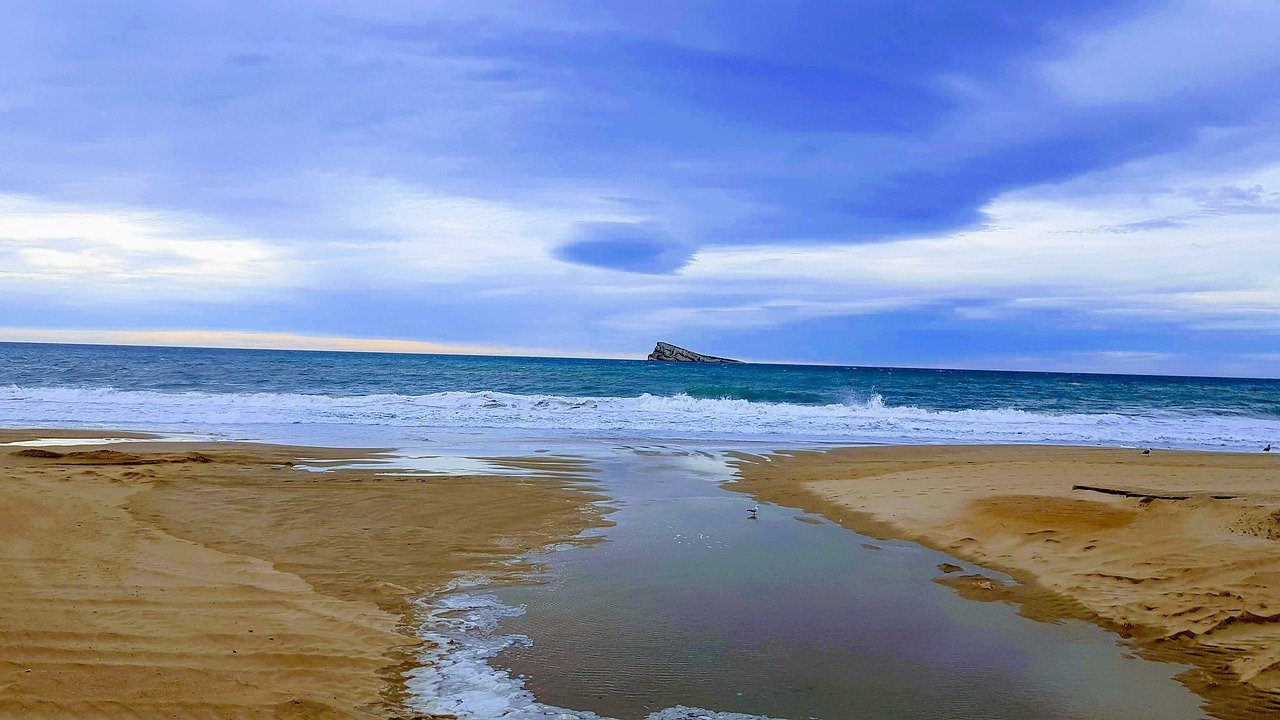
[{"x": 867, "y": 420}]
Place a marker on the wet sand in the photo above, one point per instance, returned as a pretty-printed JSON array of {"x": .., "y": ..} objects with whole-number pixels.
[
  {"x": 218, "y": 580},
  {"x": 1179, "y": 551}
]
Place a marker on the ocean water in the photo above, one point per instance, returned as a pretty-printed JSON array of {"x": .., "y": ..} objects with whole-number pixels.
[{"x": 293, "y": 395}]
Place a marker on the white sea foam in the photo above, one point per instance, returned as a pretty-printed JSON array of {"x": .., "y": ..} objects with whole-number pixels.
[
  {"x": 645, "y": 416},
  {"x": 456, "y": 679}
]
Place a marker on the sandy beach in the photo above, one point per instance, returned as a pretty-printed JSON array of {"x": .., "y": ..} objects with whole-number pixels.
[
  {"x": 219, "y": 581},
  {"x": 1179, "y": 551}
]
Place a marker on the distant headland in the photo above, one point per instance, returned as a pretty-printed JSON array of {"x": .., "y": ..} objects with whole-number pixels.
[{"x": 666, "y": 352}]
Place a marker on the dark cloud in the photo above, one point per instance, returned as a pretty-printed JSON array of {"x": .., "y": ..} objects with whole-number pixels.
[{"x": 631, "y": 247}]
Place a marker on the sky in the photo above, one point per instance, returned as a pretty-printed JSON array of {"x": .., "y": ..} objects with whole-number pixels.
[{"x": 1089, "y": 186}]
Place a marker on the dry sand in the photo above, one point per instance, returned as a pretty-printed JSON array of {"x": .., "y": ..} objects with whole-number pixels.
[
  {"x": 1188, "y": 565},
  {"x": 218, "y": 581}
]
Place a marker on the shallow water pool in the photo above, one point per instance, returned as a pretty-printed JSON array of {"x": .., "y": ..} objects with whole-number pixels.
[{"x": 691, "y": 601}]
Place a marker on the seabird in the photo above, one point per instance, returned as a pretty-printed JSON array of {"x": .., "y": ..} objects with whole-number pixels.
[
  {"x": 753, "y": 509},
  {"x": 1147, "y": 451},
  {"x": 1267, "y": 448}
]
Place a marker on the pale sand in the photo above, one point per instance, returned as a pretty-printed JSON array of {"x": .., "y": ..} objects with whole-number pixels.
[
  {"x": 1195, "y": 580},
  {"x": 216, "y": 581}
]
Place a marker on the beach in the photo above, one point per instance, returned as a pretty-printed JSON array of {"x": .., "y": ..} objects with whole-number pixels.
[
  {"x": 220, "y": 580},
  {"x": 1175, "y": 550},
  {"x": 172, "y": 579}
]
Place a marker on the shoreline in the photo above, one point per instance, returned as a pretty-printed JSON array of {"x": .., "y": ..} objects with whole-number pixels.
[
  {"x": 1194, "y": 581},
  {"x": 218, "y": 579}
]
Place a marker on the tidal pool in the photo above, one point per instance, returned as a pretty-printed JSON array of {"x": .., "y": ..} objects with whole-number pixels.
[{"x": 690, "y": 600}]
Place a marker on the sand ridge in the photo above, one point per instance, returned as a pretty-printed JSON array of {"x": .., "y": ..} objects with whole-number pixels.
[
  {"x": 217, "y": 580},
  {"x": 1195, "y": 580}
]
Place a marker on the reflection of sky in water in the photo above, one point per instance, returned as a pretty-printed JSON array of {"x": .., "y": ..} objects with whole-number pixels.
[
  {"x": 692, "y": 602},
  {"x": 401, "y": 463}
]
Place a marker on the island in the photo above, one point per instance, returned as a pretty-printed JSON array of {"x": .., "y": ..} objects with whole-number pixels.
[{"x": 666, "y": 352}]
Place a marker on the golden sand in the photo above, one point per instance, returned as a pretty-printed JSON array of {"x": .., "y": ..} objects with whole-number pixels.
[
  {"x": 1179, "y": 551},
  {"x": 218, "y": 581}
]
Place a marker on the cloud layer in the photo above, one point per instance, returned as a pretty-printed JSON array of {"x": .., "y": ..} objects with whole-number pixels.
[{"x": 905, "y": 183}]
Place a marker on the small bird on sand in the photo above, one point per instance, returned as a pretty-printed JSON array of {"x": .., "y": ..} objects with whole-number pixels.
[{"x": 1147, "y": 451}]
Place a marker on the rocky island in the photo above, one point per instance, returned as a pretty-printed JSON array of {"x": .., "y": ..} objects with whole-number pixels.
[{"x": 667, "y": 352}]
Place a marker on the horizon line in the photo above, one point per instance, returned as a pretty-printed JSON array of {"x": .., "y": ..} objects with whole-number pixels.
[{"x": 299, "y": 342}]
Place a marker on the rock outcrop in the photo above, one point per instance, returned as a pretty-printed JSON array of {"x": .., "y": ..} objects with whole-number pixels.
[{"x": 667, "y": 352}]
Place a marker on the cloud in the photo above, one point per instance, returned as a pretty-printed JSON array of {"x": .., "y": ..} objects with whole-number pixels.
[
  {"x": 1237, "y": 200},
  {"x": 370, "y": 232},
  {"x": 632, "y": 247},
  {"x": 845, "y": 128},
  {"x": 1181, "y": 47},
  {"x": 1140, "y": 225},
  {"x": 106, "y": 250},
  {"x": 573, "y": 175},
  {"x": 1040, "y": 248}
]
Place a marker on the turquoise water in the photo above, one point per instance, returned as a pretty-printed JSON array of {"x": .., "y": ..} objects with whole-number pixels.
[{"x": 289, "y": 394}]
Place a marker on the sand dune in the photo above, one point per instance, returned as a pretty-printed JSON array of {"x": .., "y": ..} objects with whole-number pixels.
[
  {"x": 1195, "y": 580},
  {"x": 217, "y": 581}
]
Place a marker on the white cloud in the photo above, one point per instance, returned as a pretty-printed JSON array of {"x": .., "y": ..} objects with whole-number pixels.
[
  {"x": 1178, "y": 47},
  {"x": 1196, "y": 249},
  {"x": 369, "y": 233},
  {"x": 97, "y": 250},
  {"x": 1046, "y": 247},
  {"x": 421, "y": 236}
]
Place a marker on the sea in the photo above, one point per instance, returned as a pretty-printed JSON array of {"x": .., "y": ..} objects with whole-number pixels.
[
  {"x": 296, "y": 395},
  {"x": 688, "y": 604}
]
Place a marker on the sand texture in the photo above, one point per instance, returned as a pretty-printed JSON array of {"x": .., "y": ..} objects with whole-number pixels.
[
  {"x": 218, "y": 581},
  {"x": 1178, "y": 550}
]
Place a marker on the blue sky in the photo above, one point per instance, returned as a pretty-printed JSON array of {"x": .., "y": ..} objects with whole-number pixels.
[{"x": 1087, "y": 186}]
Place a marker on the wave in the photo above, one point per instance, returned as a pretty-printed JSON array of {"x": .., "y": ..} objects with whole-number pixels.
[{"x": 646, "y": 416}]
